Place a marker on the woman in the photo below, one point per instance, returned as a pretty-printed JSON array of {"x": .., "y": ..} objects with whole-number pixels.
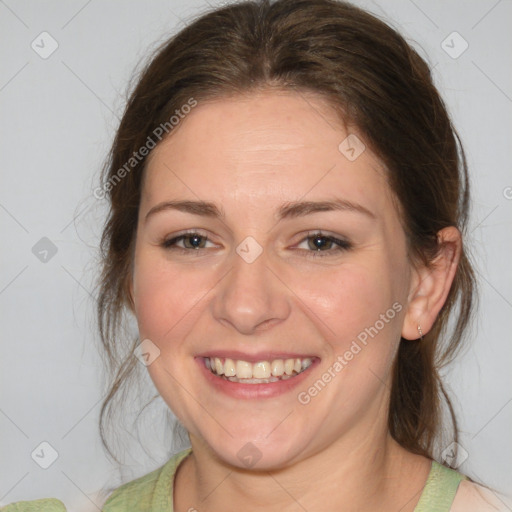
[{"x": 288, "y": 204}]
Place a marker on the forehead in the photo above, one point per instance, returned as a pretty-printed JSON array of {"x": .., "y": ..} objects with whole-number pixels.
[{"x": 262, "y": 147}]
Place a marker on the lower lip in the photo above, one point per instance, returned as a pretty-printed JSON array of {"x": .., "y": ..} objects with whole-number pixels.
[{"x": 253, "y": 391}]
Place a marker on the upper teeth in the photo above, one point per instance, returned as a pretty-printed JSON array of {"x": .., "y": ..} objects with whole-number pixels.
[{"x": 260, "y": 370}]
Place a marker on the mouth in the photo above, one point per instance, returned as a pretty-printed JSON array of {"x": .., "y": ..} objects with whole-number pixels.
[{"x": 260, "y": 372}]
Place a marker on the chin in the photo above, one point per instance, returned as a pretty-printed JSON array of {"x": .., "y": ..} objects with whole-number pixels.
[{"x": 255, "y": 451}]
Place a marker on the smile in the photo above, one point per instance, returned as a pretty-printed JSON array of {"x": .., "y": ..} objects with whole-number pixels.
[{"x": 261, "y": 372}]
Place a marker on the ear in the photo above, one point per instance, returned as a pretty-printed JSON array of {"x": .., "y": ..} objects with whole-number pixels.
[{"x": 430, "y": 285}]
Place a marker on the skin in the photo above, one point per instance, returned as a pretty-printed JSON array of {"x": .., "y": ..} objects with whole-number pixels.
[{"x": 249, "y": 155}]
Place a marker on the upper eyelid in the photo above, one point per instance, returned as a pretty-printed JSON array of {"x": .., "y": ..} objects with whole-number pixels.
[
  {"x": 201, "y": 232},
  {"x": 186, "y": 232},
  {"x": 340, "y": 242},
  {"x": 179, "y": 236},
  {"x": 325, "y": 234}
]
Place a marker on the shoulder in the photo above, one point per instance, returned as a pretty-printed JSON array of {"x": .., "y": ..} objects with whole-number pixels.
[
  {"x": 44, "y": 505},
  {"x": 138, "y": 493},
  {"x": 149, "y": 493},
  {"x": 471, "y": 496}
]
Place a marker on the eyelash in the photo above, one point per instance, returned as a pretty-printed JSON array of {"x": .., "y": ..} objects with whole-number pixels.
[{"x": 341, "y": 245}]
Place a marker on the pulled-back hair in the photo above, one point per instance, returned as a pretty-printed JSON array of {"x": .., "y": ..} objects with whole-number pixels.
[{"x": 376, "y": 82}]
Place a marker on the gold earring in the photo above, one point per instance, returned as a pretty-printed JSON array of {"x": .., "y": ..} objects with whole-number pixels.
[{"x": 420, "y": 332}]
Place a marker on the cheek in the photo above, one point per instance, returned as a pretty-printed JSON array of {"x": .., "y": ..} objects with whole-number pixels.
[
  {"x": 349, "y": 300},
  {"x": 164, "y": 296},
  {"x": 167, "y": 302}
]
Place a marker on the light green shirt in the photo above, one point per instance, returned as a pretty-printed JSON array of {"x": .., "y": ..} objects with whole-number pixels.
[{"x": 154, "y": 492}]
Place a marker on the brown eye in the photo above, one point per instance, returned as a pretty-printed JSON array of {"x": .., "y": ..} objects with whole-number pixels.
[
  {"x": 320, "y": 242},
  {"x": 194, "y": 241},
  {"x": 186, "y": 241}
]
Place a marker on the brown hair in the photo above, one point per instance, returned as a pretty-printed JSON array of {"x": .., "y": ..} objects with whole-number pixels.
[{"x": 378, "y": 83}]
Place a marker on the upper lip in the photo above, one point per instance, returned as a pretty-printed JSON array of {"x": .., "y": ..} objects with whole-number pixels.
[{"x": 254, "y": 357}]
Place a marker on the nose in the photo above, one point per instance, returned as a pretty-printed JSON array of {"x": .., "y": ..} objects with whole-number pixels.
[{"x": 251, "y": 299}]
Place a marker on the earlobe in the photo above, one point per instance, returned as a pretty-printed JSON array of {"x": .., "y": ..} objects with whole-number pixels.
[{"x": 431, "y": 285}]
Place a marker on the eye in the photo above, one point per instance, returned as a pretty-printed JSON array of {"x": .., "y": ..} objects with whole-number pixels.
[
  {"x": 186, "y": 241},
  {"x": 319, "y": 243}
]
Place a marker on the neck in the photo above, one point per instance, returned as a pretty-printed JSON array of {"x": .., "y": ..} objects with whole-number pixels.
[{"x": 364, "y": 472}]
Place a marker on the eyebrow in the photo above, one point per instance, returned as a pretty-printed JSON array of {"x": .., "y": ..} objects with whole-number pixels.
[
  {"x": 302, "y": 208},
  {"x": 286, "y": 211}
]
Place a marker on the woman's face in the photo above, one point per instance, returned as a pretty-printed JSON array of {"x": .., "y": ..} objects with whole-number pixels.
[{"x": 294, "y": 251}]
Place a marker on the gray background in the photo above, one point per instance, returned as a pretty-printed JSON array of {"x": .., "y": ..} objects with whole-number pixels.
[{"x": 58, "y": 117}]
